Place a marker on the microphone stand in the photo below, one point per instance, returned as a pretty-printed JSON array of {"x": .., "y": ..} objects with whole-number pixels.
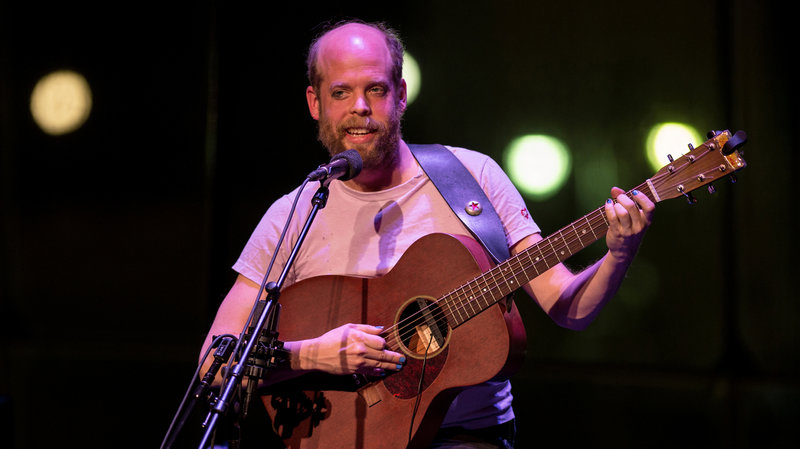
[{"x": 266, "y": 325}]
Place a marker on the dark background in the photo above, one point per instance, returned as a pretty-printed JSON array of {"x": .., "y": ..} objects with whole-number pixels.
[{"x": 117, "y": 238}]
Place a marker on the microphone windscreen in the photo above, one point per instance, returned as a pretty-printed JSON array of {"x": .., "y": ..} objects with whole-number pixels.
[{"x": 354, "y": 163}]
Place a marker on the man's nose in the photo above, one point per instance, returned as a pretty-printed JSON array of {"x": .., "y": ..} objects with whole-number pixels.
[{"x": 361, "y": 106}]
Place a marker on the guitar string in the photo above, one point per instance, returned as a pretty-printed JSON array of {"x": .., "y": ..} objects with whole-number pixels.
[
  {"x": 465, "y": 296},
  {"x": 456, "y": 302},
  {"x": 481, "y": 287}
]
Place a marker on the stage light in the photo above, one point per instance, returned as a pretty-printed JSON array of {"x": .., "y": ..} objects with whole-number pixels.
[
  {"x": 538, "y": 165},
  {"x": 413, "y": 77},
  {"x": 669, "y": 138},
  {"x": 61, "y": 102}
]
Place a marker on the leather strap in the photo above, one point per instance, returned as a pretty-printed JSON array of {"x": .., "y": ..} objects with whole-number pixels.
[{"x": 462, "y": 192}]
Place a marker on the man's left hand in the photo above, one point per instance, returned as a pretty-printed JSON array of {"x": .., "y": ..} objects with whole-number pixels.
[{"x": 628, "y": 220}]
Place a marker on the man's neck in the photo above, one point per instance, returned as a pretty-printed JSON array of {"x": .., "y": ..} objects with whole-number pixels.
[{"x": 404, "y": 168}]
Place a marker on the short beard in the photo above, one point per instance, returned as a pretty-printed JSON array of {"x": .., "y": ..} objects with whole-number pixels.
[{"x": 384, "y": 154}]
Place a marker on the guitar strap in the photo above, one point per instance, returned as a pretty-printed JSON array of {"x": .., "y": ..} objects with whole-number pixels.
[{"x": 465, "y": 197}]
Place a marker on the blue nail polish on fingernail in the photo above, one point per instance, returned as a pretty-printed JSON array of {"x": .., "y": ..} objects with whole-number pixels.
[
  {"x": 399, "y": 366},
  {"x": 635, "y": 192},
  {"x": 402, "y": 360},
  {"x": 608, "y": 201}
]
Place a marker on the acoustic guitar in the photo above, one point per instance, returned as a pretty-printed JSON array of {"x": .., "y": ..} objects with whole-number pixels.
[{"x": 444, "y": 306}]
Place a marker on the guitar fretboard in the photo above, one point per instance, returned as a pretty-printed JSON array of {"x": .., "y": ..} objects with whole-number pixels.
[{"x": 490, "y": 287}]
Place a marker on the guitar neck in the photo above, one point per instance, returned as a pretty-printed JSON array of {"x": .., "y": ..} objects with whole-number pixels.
[{"x": 502, "y": 280}]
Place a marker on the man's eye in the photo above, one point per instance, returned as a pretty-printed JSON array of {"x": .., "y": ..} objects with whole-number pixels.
[
  {"x": 338, "y": 94},
  {"x": 378, "y": 90}
]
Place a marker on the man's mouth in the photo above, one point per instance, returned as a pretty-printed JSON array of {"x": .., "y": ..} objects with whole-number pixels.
[{"x": 358, "y": 131}]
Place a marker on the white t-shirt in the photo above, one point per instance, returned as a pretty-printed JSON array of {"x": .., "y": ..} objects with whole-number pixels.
[{"x": 365, "y": 233}]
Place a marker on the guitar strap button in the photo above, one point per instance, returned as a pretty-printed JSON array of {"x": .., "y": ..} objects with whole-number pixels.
[{"x": 474, "y": 208}]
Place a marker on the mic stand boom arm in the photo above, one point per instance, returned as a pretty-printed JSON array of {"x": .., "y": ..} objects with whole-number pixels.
[{"x": 273, "y": 293}]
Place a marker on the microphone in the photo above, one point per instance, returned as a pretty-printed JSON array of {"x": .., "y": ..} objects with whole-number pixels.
[{"x": 343, "y": 166}]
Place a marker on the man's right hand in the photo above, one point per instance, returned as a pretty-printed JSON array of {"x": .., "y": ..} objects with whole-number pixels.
[{"x": 348, "y": 349}]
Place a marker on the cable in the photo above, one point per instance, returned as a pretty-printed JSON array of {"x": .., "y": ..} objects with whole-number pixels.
[
  {"x": 213, "y": 345},
  {"x": 239, "y": 342},
  {"x": 419, "y": 390}
]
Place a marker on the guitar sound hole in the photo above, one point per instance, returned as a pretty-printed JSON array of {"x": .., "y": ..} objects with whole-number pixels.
[{"x": 422, "y": 327}]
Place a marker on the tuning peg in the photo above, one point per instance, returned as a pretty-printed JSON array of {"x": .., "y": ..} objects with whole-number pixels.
[
  {"x": 711, "y": 189},
  {"x": 690, "y": 198},
  {"x": 735, "y": 142},
  {"x": 670, "y": 158},
  {"x": 733, "y": 179},
  {"x": 711, "y": 134}
]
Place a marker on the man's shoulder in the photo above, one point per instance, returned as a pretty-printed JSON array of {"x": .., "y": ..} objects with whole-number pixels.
[{"x": 468, "y": 157}]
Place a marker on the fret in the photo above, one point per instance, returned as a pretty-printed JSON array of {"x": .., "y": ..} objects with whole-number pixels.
[
  {"x": 510, "y": 286},
  {"x": 458, "y": 309},
  {"x": 533, "y": 265},
  {"x": 550, "y": 241},
  {"x": 447, "y": 311},
  {"x": 476, "y": 294},
  {"x": 468, "y": 300},
  {"x": 565, "y": 243},
  {"x": 584, "y": 236},
  {"x": 577, "y": 234},
  {"x": 541, "y": 255},
  {"x": 494, "y": 286},
  {"x": 522, "y": 266},
  {"x": 487, "y": 290},
  {"x": 469, "y": 303},
  {"x": 586, "y": 217}
]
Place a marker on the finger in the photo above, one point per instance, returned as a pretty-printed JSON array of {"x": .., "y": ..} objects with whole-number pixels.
[
  {"x": 639, "y": 207},
  {"x": 617, "y": 213},
  {"x": 377, "y": 372},
  {"x": 645, "y": 204},
  {"x": 391, "y": 362},
  {"x": 384, "y": 356},
  {"x": 628, "y": 210},
  {"x": 623, "y": 214},
  {"x": 611, "y": 213},
  {"x": 373, "y": 341},
  {"x": 369, "y": 329},
  {"x": 616, "y": 191}
]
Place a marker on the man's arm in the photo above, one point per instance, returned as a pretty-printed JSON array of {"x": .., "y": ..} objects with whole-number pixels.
[
  {"x": 573, "y": 300},
  {"x": 347, "y": 349}
]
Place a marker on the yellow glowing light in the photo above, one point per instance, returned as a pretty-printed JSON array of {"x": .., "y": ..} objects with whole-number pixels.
[
  {"x": 61, "y": 102},
  {"x": 538, "y": 165},
  {"x": 413, "y": 77},
  {"x": 669, "y": 139}
]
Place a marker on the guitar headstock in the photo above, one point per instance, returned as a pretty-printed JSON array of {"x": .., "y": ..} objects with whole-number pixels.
[{"x": 716, "y": 158}]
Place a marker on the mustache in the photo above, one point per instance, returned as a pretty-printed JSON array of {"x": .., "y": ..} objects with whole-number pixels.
[{"x": 365, "y": 123}]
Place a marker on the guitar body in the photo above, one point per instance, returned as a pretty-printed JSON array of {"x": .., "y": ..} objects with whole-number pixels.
[{"x": 320, "y": 411}]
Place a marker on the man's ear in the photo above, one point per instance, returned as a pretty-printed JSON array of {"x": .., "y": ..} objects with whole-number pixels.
[
  {"x": 403, "y": 95},
  {"x": 313, "y": 102}
]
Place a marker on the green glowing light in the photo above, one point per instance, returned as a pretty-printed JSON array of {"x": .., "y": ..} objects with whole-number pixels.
[
  {"x": 538, "y": 165},
  {"x": 669, "y": 139},
  {"x": 413, "y": 77}
]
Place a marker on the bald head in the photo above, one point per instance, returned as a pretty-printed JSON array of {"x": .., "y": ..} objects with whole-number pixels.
[{"x": 349, "y": 38}]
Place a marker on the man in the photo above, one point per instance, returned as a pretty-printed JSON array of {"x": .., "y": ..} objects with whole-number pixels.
[{"x": 358, "y": 97}]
